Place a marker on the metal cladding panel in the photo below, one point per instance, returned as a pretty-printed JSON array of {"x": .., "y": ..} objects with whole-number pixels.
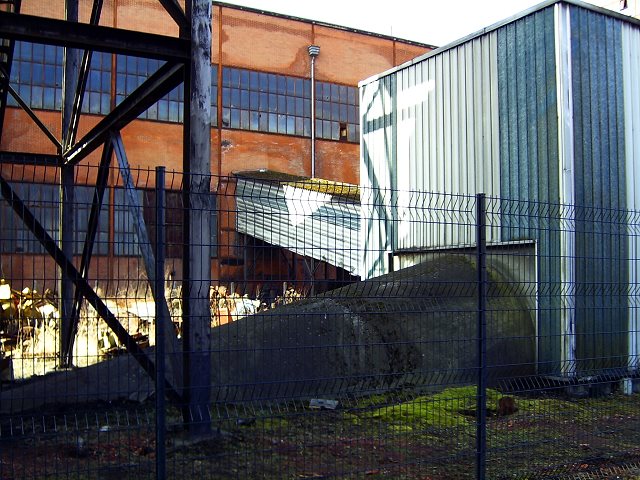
[
  {"x": 631, "y": 90},
  {"x": 377, "y": 175},
  {"x": 529, "y": 158},
  {"x": 309, "y": 223},
  {"x": 430, "y": 127},
  {"x": 601, "y": 272},
  {"x": 447, "y": 144}
]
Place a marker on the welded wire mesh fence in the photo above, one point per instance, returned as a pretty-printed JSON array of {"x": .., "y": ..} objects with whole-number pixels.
[{"x": 311, "y": 329}]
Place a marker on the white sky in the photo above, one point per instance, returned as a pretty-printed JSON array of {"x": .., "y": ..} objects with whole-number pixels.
[{"x": 435, "y": 22}]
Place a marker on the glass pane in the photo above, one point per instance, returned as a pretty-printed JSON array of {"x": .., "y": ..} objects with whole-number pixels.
[
  {"x": 343, "y": 113},
  {"x": 291, "y": 86},
  {"x": 235, "y": 118},
  {"x": 291, "y": 105},
  {"x": 351, "y": 133},
  {"x": 264, "y": 102},
  {"x": 235, "y": 77},
  {"x": 121, "y": 83},
  {"x": 335, "y": 130},
  {"x": 351, "y": 114},
  {"x": 38, "y": 53},
  {"x": 254, "y": 81},
  {"x": 37, "y": 76},
  {"x": 282, "y": 123},
  {"x": 254, "y": 120},
  {"x": 263, "y": 82},
  {"x": 291, "y": 125},
  {"x": 282, "y": 84},
  {"x": 273, "y": 83},
  {"x": 244, "y": 79},
  {"x": 235, "y": 97},
  {"x": 50, "y": 54},
  {"x": 226, "y": 97},
  {"x": 273, "y": 102},
  {"x": 226, "y": 77},
  {"x": 351, "y": 96},
  {"x": 94, "y": 102},
  {"x": 163, "y": 110},
  {"x": 244, "y": 119},
  {"x": 36, "y": 97},
  {"x": 299, "y": 126},
  {"x": 263, "y": 122},
  {"x": 174, "y": 111},
  {"x": 282, "y": 104},
  {"x": 343, "y": 94},
  {"x": 335, "y": 93},
  {"x": 254, "y": 101},
  {"x": 226, "y": 117},
  {"x": 244, "y": 99},
  {"x": 273, "y": 123},
  {"x": 49, "y": 75},
  {"x": 50, "y": 98}
]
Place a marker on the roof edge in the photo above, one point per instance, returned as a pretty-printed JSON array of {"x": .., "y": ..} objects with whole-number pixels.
[
  {"x": 323, "y": 24},
  {"x": 495, "y": 26}
]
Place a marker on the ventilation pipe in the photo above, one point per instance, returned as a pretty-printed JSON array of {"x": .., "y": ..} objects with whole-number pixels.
[{"x": 314, "y": 51}]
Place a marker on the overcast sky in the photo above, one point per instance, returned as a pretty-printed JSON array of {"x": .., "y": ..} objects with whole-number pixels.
[{"x": 435, "y": 22}]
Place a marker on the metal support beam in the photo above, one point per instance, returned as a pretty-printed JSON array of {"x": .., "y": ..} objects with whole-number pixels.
[
  {"x": 197, "y": 253},
  {"x": 69, "y": 135},
  {"x": 153, "y": 89},
  {"x": 66, "y": 219},
  {"x": 94, "y": 37},
  {"x": 172, "y": 350},
  {"x": 173, "y": 8},
  {"x": 87, "y": 250},
  {"x": 81, "y": 284}
]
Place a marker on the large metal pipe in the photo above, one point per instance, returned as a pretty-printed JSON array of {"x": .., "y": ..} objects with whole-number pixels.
[{"x": 314, "y": 51}]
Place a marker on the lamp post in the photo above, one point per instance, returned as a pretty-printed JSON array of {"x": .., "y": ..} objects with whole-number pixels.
[{"x": 314, "y": 51}]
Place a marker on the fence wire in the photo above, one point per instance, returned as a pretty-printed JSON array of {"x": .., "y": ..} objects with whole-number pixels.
[{"x": 315, "y": 330}]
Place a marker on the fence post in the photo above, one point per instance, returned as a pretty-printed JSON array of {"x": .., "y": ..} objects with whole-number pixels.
[
  {"x": 481, "y": 408},
  {"x": 160, "y": 333}
]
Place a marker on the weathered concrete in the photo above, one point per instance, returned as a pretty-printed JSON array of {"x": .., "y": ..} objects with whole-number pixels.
[{"x": 416, "y": 326}]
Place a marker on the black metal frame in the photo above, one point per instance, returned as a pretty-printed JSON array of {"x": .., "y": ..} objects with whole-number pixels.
[{"x": 185, "y": 51}]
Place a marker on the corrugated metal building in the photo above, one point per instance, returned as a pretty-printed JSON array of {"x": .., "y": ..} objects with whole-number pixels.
[{"x": 545, "y": 109}]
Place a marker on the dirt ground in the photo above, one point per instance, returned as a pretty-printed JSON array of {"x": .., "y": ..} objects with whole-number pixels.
[{"x": 397, "y": 435}]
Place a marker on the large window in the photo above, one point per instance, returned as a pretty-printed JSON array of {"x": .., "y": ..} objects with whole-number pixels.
[
  {"x": 337, "y": 116},
  {"x": 133, "y": 71},
  {"x": 43, "y": 201},
  {"x": 266, "y": 102},
  {"x": 37, "y": 77}
]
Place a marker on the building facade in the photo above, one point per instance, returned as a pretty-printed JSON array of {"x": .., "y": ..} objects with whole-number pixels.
[
  {"x": 261, "y": 118},
  {"x": 541, "y": 114}
]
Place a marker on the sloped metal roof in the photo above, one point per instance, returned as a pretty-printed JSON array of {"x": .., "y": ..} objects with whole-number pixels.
[{"x": 310, "y": 217}]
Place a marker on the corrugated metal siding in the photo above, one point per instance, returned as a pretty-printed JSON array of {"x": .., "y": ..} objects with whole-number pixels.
[
  {"x": 529, "y": 157},
  {"x": 377, "y": 175},
  {"x": 447, "y": 143},
  {"x": 631, "y": 91},
  {"x": 600, "y": 188},
  {"x": 309, "y": 223},
  {"x": 430, "y": 140}
]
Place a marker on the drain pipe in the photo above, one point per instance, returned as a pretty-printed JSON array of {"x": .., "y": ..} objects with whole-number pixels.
[{"x": 314, "y": 51}]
